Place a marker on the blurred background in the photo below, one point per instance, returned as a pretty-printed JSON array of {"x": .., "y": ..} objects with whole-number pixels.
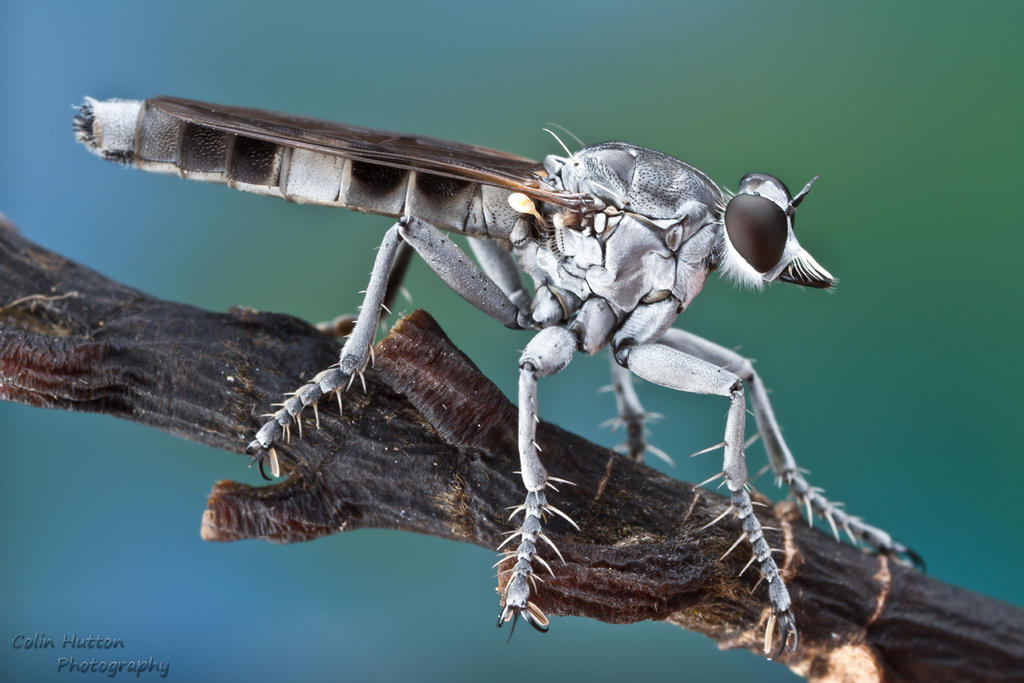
[{"x": 899, "y": 390}]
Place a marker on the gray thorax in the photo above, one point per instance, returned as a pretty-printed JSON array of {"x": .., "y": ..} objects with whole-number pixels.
[{"x": 628, "y": 264}]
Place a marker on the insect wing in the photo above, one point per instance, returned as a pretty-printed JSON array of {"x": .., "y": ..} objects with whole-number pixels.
[{"x": 417, "y": 153}]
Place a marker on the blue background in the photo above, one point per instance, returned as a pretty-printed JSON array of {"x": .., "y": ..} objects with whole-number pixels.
[{"x": 900, "y": 390}]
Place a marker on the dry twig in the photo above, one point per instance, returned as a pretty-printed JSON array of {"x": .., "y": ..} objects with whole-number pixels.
[{"x": 430, "y": 449}]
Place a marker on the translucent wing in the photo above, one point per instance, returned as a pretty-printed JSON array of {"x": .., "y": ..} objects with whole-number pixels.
[{"x": 413, "y": 152}]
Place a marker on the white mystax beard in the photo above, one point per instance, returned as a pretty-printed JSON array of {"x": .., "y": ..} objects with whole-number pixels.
[{"x": 735, "y": 267}]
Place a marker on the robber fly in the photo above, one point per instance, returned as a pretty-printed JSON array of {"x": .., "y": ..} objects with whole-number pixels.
[{"x": 618, "y": 240}]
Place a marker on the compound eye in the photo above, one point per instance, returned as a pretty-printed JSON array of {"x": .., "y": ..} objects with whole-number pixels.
[{"x": 757, "y": 227}]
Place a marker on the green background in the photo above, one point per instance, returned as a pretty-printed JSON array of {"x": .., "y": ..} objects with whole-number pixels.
[{"x": 900, "y": 390}]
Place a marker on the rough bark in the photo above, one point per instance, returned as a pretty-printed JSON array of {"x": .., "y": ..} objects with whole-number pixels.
[{"x": 431, "y": 448}]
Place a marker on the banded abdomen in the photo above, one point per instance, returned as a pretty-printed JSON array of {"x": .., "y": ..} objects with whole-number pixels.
[{"x": 136, "y": 133}]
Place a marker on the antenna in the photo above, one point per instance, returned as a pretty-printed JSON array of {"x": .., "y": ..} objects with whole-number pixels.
[{"x": 795, "y": 202}]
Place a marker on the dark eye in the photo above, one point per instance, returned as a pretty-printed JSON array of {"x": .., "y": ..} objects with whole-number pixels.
[{"x": 757, "y": 228}]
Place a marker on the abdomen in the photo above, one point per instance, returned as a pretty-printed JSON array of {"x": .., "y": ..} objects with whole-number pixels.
[{"x": 131, "y": 132}]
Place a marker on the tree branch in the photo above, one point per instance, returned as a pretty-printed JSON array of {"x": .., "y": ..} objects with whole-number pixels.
[{"x": 430, "y": 448}]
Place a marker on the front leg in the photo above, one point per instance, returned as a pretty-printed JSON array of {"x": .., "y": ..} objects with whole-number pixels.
[
  {"x": 547, "y": 353},
  {"x": 672, "y": 368},
  {"x": 779, "y": 455}
]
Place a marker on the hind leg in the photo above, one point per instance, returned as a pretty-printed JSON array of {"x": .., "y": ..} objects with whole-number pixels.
[
  {"x": 781, "y": 459},
  {"x": 343, "y": 325},
  {"x": 354, "y": 355},
  {"x": 670, "y": 367},
  {"x": 446, "y": 260}
]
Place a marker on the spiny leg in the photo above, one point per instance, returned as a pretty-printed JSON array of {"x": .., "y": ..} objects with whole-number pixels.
[
  {"x": 447, "y": 261},
  {"x": 548, "y": 352},
  {"x": 678, "y": 370},
  {"x": 343, "y": 325},
  {"x": 489, "y": 289},
  {"x": 354, "y": 355},
  {"x": 781, "y": 459}
]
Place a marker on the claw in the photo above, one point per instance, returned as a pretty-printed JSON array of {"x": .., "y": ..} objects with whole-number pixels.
[
  {"x": 539, "y": 623},
  {"x": 259, "y": 466},
  {"x": 534, "y": 616},
  {"x": 275, "y": 468},
  {"x": 508, "y": 614},
  {"x": 787, "y": 626},
  {"x": 906, "y": 557},
  {"x": 791, "y": 623},
  {"x": 916, "y": 560}
]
